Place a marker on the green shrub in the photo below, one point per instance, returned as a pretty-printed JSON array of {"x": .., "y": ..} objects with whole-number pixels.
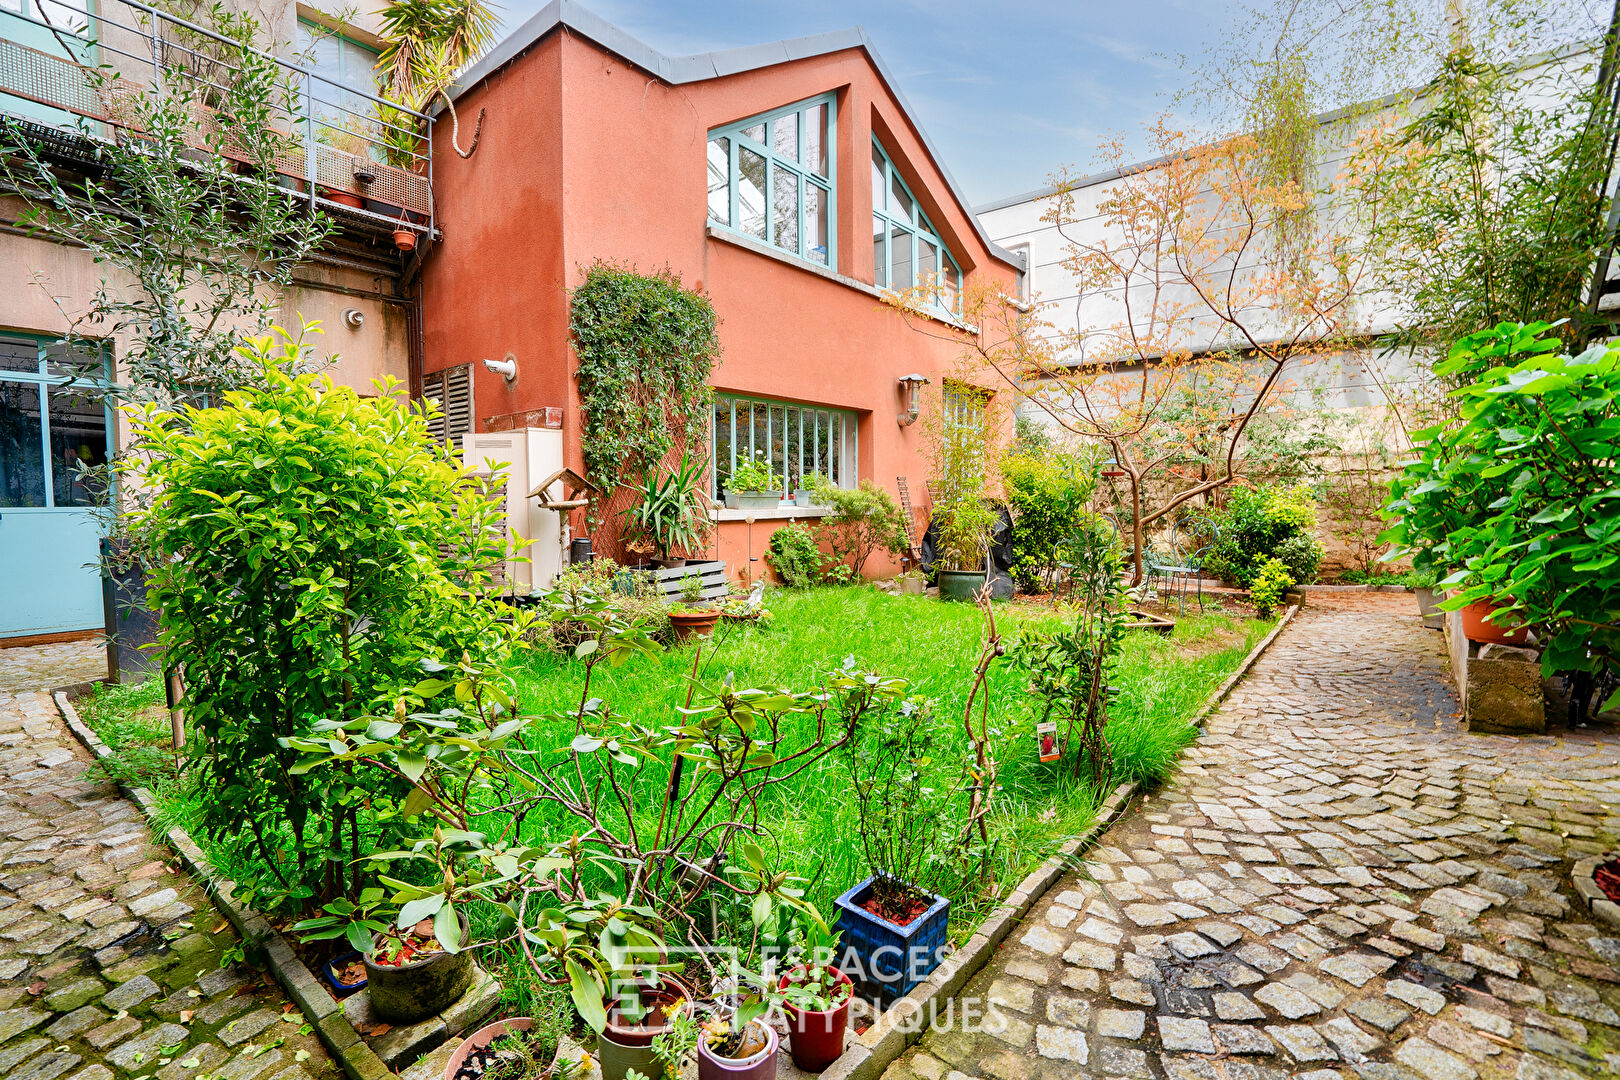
[
  {"x": 796, "y": 556},
  {"x": 562, "y": 626},
  {"x": 1258, "y": 524},
  {"x": 863, "y": 519},
  {"x": 1048, "y": 492},
  {"x": 309, "y": 547},
  {"x": 1269, "y": 586},
  {"x": 1518, "y": 500}
]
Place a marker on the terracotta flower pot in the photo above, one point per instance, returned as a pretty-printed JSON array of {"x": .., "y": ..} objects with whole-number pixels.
[
  {"x": 624, "y": 1045},
  {"x": 693, "y": 624},
  {"x": 1476, "y": 628},
  {"x": 760, "y": 1065},
  {"x": 405, "y": 239},
  {"x": 482, "y": 1038},
  {"x": 816, "y": 1039},
  {"x": 343, "y": 198}
]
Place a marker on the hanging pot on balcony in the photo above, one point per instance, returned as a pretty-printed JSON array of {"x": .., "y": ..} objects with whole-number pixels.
[{"x": 405, "y": 239}]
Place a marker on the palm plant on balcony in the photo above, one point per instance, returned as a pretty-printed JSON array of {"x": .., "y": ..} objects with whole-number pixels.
[{"x": 430, "y": 42}]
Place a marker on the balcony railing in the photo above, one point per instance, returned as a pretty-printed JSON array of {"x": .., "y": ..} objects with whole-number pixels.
[{"x": 338, "y": 147}]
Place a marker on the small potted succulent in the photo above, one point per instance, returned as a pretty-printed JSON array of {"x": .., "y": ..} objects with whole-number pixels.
[
  {"x": 754, "y": 485},
  {"x": 694, "y": 616}
]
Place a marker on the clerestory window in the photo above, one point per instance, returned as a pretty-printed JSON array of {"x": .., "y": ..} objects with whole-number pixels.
[{"x": 771, "y": 178}]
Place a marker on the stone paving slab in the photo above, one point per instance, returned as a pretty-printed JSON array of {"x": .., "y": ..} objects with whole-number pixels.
[
  {"x": 109, "y": 959},
  {"x": 1339, "y": 882}
]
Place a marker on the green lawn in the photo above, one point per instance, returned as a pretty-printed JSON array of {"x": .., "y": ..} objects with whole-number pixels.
[{"x": 1161, "y": 680}]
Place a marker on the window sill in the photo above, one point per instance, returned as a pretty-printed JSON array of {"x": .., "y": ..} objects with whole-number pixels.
[
  {"x": 760, "y": 247},
  {"x": 781, "y": 513}
]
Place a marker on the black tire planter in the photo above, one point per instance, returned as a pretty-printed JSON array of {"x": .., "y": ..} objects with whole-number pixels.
[{"x": 406, "y": 993}]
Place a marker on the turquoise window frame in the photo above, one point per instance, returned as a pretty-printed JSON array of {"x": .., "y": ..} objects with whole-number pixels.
[
  {"x": 807, "y": 176},
  {"x": 43, "y": 380},
  {"x": 800, "y": 429},
  {"x": 921, "y": 229}
]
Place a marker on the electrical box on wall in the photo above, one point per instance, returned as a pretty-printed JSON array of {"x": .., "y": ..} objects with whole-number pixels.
[{"x": 530, "y": 455}]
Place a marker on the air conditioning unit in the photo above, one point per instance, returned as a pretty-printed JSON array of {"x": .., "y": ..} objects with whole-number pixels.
[{"x": 530, "y": 455}]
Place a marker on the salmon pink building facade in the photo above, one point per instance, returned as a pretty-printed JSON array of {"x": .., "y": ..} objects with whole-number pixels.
[{"x": 788, "y": 182}]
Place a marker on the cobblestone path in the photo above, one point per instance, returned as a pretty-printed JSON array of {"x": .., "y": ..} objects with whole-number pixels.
[
  {"x": 1339, "y": 881},
  {"x": 110, "y": 961}
]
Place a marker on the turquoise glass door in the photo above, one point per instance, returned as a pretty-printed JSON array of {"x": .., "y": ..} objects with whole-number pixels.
[{"x": 51, "y": 519}]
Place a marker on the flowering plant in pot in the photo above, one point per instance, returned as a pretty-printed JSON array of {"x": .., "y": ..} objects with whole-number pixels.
[
  {"x": 893, "y": 927},
  {"x": 754, "y": 485},
  {"x": 738, "y": 1045}
]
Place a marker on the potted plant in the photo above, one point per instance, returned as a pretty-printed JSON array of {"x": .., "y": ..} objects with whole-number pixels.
[
  {"x": 816, "y": 999},
  {"x": 642, "y": 1010},
  {"x": 1428, "y": 600},
  {"x": 894, "y": 930},
  {"x": 404, "y": 236},
  {"x": 805, "y": 493},
  {"x": 671, "y": 514},
  {"x": 912, "y": 583},
  {"x": 511, "y": 1049},
  {"x": 1487, "y": 623},
  {"x": 963, "y": 525},
  {"x": 730, "y": 1044},
  {"x": 694, "y": 616},
  {"x": 345, "y": 974},
  {"x": 411, "y": 974},
  {"x": 754, "y": 485}
]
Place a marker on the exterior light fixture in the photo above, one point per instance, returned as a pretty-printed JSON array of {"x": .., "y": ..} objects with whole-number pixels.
[
  {"x": 506, "y": 369},
  {"x": 911, "y": 386}
]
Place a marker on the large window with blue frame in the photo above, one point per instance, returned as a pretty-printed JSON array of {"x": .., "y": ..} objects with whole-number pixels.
[
  {"x": 54, "y": 425},
  {"x": 907, "y": 251},
  {"x": 771, "y": 178}
]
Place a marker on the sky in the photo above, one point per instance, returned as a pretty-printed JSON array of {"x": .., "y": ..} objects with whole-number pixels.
[{"x": 1010, "y": 91}]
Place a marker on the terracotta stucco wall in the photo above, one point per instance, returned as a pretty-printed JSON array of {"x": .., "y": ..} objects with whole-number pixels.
[{"x": 581, "y": 142}]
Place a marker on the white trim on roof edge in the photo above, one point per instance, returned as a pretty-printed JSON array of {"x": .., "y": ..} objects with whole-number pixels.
[{"x": 711, "y": 65}]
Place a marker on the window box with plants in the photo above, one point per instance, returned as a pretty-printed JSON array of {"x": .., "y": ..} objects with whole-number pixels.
[{"x": 754, "y": 485}]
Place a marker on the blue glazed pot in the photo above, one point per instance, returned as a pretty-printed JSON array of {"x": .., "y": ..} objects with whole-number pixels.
[{"x": 884, "y": 959}]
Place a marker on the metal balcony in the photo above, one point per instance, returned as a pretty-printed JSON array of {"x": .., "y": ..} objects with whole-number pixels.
[{"x": 336, "y": 152}]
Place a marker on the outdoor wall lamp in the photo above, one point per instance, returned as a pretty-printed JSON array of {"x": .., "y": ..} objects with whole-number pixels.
[
  {"x": 506, "y": 369},
  {"x": 911, "y": 386}
]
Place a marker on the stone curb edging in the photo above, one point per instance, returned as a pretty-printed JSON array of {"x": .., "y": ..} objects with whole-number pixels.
[
  {"x": 324, "y": 1014},
  {"x": 881, "y": 1044},
  {"x": 1352, "y": 588},
  {"x": 1584, "y": 875}
]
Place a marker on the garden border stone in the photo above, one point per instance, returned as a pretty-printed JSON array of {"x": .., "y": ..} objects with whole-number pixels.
[
  {"x": 1584, "y": 877},
  {"x": 324, "y": 1014},
  {"x": 881, "y": 1044}
]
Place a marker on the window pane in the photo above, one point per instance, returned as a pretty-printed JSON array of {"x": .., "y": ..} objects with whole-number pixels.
[
  {"x": 786, "y": 205},
  {"x": 720, "y": 180},
  {"x": 22, "y": 459},
  {"x": 953, "y": 287},
  {"x": 815, "y": 138},
  {"x": 900, "y": 204},
  {"x": 751, "y": 192},
  {"x": 899, "y": 259},
  {"x": 19, "y": 355},
  {"x": 78, "y": 438},
  {"x": 785, "y": 136},
  {"x": 880, "y": 258},
  {"x": 762, "y": 438},
  {"x": 879, "y": 188},
  {"x": 756, "y": 132},
  {"x": 62, "y": 358},
  {"x": 815, "y": 217},
  {"x": 722, "y": 445},
  {"x": 927, "y": 262}
]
